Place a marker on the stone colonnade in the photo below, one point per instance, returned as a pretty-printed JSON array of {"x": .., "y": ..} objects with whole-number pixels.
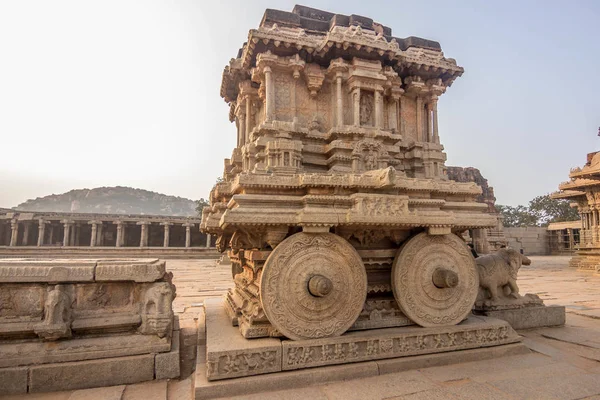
[{"x": 97, "y": 230}]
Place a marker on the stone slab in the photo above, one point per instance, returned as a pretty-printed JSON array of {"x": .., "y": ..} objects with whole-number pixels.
[
  {"x": 229, "y": 355},
  {"x": 137, "y": 270},
  {"x": 13, "y": 355},
  {"x": 14, "y": 270},
  {"x": 166, "y": 365},
  {"x": 94, "y": 373},
  {"x": 201, "y": 327},
  {"x": 104, "y": 393},
  {"x": 531, "y": 317},
  {"x": 475, "y": 332},
  {"x": 246, "y": 386},
  {"x": 205, "y": 389},
  {"x": 441, "y": 359},
  {"x": 13, "y": 381},
  {"x": 147, "y": 391}
]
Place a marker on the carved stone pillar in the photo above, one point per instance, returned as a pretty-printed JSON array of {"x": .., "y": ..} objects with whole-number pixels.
[
  {"x": 143, "y": 233},
  {"x": 166, "y": 233},
  {"x": 434, "y": 119},
  {"x": 356, "y": 101},
  {"x": 25, "y": 234},
  {"x": 14, "y": 234},
  {"x": 420, "y": 119},
  {"x": 41, "y": 232},
  {"x": 120, "y": 231},
  {"x": 208, "y": 240},
  {"x": 100, "y": 234},
  {"x": 94, "y": 236},
  {"x": 67, "y": 233},
  {"x": 188, "y": 234},
  {"x": 242, "y": 130},
  {"x": 248, "y": 128},
  {"x": 378, "y": 110},
  {"x": 269, "y": 94},
  {"x": 429, "y": 124},
  {"x": 51, "y": 238},
  {"x": 339, "y": 101}
]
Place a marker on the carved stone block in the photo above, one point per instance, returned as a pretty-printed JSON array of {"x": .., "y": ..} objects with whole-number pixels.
[
  {"x": 130, "y": 270},
  {"x": 229, "y": 355},
  {"x": 26, "y": 270}
]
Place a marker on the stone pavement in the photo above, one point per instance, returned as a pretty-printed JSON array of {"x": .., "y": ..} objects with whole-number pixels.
[{"x": 564, "y": 363}]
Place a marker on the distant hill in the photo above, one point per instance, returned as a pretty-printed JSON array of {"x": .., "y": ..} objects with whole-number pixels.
[{"x": 112, "y": 200}]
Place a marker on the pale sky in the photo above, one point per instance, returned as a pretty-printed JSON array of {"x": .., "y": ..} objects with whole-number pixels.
[{"x": 123, "y": 92}]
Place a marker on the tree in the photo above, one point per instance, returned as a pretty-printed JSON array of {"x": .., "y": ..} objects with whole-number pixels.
[
  {"x": 200, "y": 204},
  {"x": 516, "y": 216},
  {"x": 541, "y": 211},
  {"x": 547, "y": 210}
]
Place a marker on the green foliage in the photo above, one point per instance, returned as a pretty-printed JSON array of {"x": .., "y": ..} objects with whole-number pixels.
[
  {"x": 516, "y": 216},
  {"x": 200, "y": 204},
  {"x": 548, "y": 210},
  {"x": 541, "y": 211}
]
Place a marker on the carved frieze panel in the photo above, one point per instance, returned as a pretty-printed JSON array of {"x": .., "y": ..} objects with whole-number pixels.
[{"x": 402, "y": 342}]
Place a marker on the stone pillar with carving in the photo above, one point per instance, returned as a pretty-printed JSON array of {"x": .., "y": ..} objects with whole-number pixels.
[
  {"x": 100, "y": 234},
  {"x": 378, "y": 110},
  {"x": 356, "y": 106},
  {"x": 41, "y": 232},
  {"x": 188, "y": 233},
  {"x": 120, "y": 231},
  {"x": 339, "y": 100},
  {"x": 14, "y": 232},
  {"x": 143, "y": 233},
  {"x": 434, "y": 118},
  {"x": 68, "y": 225},
  {"x": 94, "y": 236},
  {"x": 419, "y": 121},
  {"x": 166, "y": 237},
  {"x": 208, "y": 240},
  {"x": 269, "y": 98},
  {"x": 26, "y": 234}
]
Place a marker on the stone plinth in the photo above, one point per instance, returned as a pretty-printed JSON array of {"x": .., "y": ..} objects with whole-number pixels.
[
  {"x": 63, "y": 319},
  {"x": 530, "y": 317},
  {"x": 228, "y": 355}
]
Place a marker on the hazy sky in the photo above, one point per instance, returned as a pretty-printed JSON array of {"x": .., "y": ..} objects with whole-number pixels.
[{"x": 106, "y": 93}]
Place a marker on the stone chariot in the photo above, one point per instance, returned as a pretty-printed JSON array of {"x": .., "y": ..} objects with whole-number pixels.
[{"x": 335, "y": 207}]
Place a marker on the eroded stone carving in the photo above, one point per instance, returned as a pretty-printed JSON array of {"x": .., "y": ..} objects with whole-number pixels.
[
  {"x": 157, "y": 313},
  {"x": 498, "y": 275},
  {"x": 57, "y": 315}
]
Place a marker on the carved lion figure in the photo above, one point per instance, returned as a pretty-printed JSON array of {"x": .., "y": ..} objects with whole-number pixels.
[{"x": 498, "y": 274}]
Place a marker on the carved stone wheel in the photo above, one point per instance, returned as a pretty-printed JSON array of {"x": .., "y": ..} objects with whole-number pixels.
[
  {"x": 435, "y": 279},
  {"x": 313, "y": 286}
]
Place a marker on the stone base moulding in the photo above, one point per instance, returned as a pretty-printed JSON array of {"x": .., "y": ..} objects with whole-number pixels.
[
  {"x": 224, "y": 340},
  {"x": 229, "y": 355},
  {"x": 531, "y": 317},
  {"x": 75, "y": 324}
]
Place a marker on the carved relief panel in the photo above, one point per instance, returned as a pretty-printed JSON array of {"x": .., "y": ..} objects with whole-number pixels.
[{"x": 367, "y": 108}]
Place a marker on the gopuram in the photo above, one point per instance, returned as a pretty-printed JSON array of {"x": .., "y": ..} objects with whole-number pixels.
[
  {"x": 583, "y": 189},
  {"x": 335, "y": 207}
]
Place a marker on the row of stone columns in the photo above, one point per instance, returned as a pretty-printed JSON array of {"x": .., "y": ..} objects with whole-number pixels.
[{"x": 71, "y": 233}]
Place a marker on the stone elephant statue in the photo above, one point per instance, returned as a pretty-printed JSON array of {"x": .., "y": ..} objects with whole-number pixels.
[{"x": 498, "y": 274}]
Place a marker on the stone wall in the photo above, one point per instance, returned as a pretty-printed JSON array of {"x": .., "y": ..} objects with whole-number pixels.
[{"x": 532, "y": 239}]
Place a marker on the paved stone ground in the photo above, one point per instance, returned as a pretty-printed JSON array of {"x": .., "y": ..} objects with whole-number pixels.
[{"x": 564, "y": 364}]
